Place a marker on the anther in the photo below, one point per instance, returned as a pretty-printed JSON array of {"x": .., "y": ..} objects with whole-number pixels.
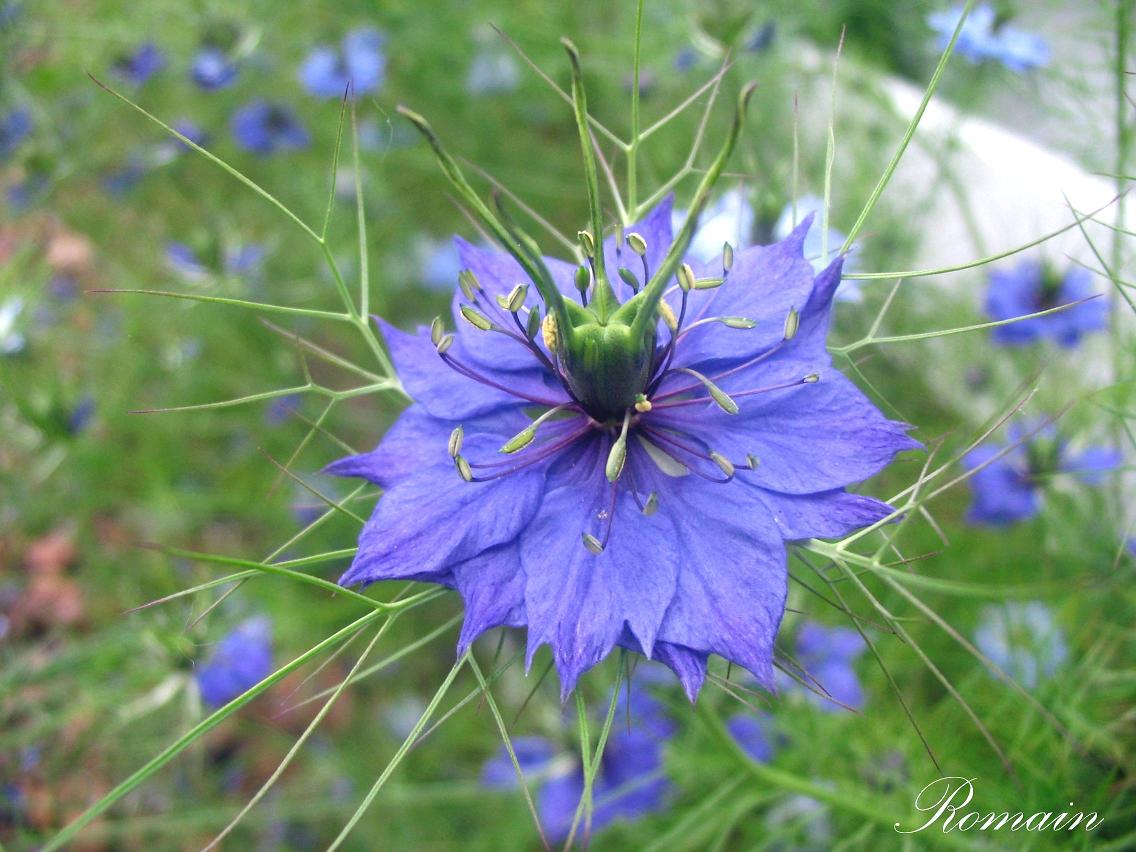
[
  {"x": 811, "y": 379},
  {"x": 550, "y": 333},
  {"x": 532, "y": 325},
  {"x": 617, "y": 457},
  {"x": 587, "y": 243},
  {"x": 737, "y": 322},
  {"x": 792, "y": 323},
  {"x": 515, "y": 300},
  {"x": 437, "y": 329},
  {"x": 642, "y": 404},
  {"x": 724, "y": 464},
  {"x": 519, "y": 441},
  {"x": 668, "y": 315},
  {"x": 719, "y": 396},
  {"x": 583, "y": 279},
  {"x": 475, "y": 318},
  {"x": 727, "y": 258},
  {"x": 752, "y": 461},
  {"x": 637, "y": 243},
  {"x": 469, "y": 284},
  {"x": 708, "y": 283},
  {"x": 456, "y": 442},
  {"x": 628, "y": 278},
  {"x": 463, "y": 468},
  {"x": 652, "y": 504},
  {"x": 592, "y": 543},
  {"x": 686, "y": 278},
  {"x": 443, "y": 345}
]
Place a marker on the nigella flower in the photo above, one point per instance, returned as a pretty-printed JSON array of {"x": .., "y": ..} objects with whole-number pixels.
[
  {"x": 236, "y": 261},
  {"x": 15, "y": 126},
  {"x": 265, "y": 128},
  {"x": 141, "y": 65},
  {"x": 361, "y": 63},
  {"x": 636, "y": 451},
  {"x": 1023, "y": 639},
  {"x": 1008, "y": 482},
  {"x": 492, "y": 72},
  {"x": 1031, "y": 287},
  {"x": 684, "y": 466},
  {"x": 752, "y": 734},
  {"x": 242, "y": 659},
  {"x": 629, "y": 784},
  {"x": 827, "y": 656},
  {"x": 986, "y": 36},
  {"x": 212, "y": 68}
]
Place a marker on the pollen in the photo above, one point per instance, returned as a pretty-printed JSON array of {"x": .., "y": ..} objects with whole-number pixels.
[{"x": 550, "y": 333}]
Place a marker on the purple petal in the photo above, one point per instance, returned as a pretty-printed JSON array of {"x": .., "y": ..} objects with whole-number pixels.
[
  {"x": 828, "y": 514},
  {"x": 492, "y": 584}
]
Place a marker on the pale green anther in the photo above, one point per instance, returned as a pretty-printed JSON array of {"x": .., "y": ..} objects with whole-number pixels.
[
  {"x": 642, "y": 404},
  {"x": 686, "y": 278},
  {"x": 708, "y": 283},
  {"x": 726, "y": 466},
  {"x": 519, "y": 441},
  {"x": 592, "y": 543},
  {"x": 616, "y": 458},
  {"x": 456, "y": 438},
  {"x": 463, "y": 468},
  {"x": 587, "y": 243},
  {"x": 469, "y": 284},
  {"x": 628, "y": 278},
  {"x": 719, "y": 396},
  {"x": 475, "y": 318},
  {"x": 792, "y": 323},
  {"x": 516, "y": 298},
  {"x": 445, "y": 343},
  {"x": 652, "y": 504},
  {"x": 618, "y": 235},
  {"x": 752, "y": 460},
  {"x": 637, "y": 243},
  {"x": 737, "y": 322},
  {"x": 583, "y": 279},
  {"x": 532, "y": 326},
  {"x": 727, "y": 257},
  {"x": 811, "y": 379},
  {"x": 437, "y": 329}
]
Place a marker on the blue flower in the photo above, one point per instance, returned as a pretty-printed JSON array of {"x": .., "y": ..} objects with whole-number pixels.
[
  {"x": 986, "y": 37},
  {"x": 629, "y": 783},
  {"x": 81, "y": 415},
  {"x": 242, "y": 260},
  {"x": 1031, "y": 287},
  {"x": 15, "y": 126},
  {"x": 141, "y": 65},
  {"x": 123, "y": 179},
  {"x": 265, "y": 128},
  {"x": 212, "y": 68},
  {"x": 1008, "y": 479},
  {"x": 12, "y": 339},
  {"x": 492, "y": 72},
  {"x": 241, "y": 660},
  {"x": 190, "y": 131},
  {"x": 281, "y": 408},
  {"x": 1023, "y": 640},
  {"x": 751, "y": 732},
  {"x": 650, "y": 505},
  {"x": 828, "y": 656},
  {"x": 440, "y": 264},
  {"x": 361, "y": 63}
]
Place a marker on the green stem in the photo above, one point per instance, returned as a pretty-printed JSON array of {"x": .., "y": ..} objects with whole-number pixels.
[
  {"x": 603, "y": 296},
  {"x": 647, "y": 302},
  {"x": 633, "y": 147}
]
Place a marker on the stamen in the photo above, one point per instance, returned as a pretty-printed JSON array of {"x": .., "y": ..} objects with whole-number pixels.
[
  {"x": 652, "y": 504},
  {"x": 720, "y": 461},
  {"x": 583, "y": 282},
  {"x": 592, "y": 543},
  {"x": 792, "y": 323},
  {"x": 628, "y": 278},
  {"x": 811, "y": 378},
  {"x": 637, "y": 243},
  {"x": 719, "y": 396},
  {"x": 462, "y": 369},
  {"x": 469, "y": 284},
  {"x": 617, "y": 456},
  {"x": 443, "y": 345},
  {"x": 686, "y": 278},
  {"x": 525, "y": 437},
  {"x": 437, "y": 329},
  {"x": 642, "y": 404},
  {"x": 544, "y": 451},
  {"x": 550, "y": 333},
  {"x": 515, "y": 300},
  {"x": 727, "y": 258},
  {"x": 475, "y": 318},
  {"x": 463, "y": 468},
  {"x": 587, "y": 243},
  {"x": 455, "y": 444}
]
